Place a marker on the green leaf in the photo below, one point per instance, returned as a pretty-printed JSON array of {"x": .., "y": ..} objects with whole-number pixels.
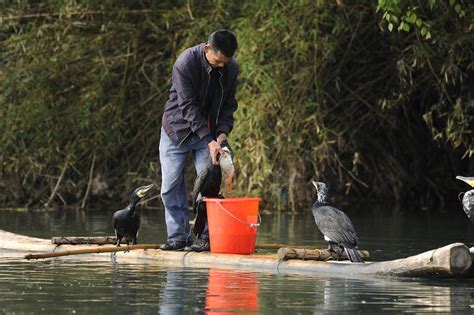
[
  {"x": 406, "y": 27},
  {"x": 452, "y": 2},
  {"x": 423, "y": 31},
  {"x": 418, "y": 22},
  {"x": 411, "y": 18},
  {"x": 401, "y": 26},
  {"x": 428, "y": 35},
  {"x": 390, "y": 27},
  {"x": 393, "y": 18},
  {"x": 457, "y": 8}
]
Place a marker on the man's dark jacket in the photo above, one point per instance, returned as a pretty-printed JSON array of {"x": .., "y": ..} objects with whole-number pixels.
[{"x": 183, "y": 117}]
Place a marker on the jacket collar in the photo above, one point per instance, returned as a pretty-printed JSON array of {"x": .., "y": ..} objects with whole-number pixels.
[{"x": 204, "y": 62}]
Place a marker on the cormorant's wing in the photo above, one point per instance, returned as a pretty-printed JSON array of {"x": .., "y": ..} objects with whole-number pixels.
[
  {"x": 136, "y": 221},
  {"x": 336, "y": 225},
  {"x": 207, "y": 184},
  {"x": 199, "y": 183},
  {"x": 114, "y": 219}
]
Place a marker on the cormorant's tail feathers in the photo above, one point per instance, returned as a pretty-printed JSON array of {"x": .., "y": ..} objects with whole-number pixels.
[{"x": 353, "y": 255}]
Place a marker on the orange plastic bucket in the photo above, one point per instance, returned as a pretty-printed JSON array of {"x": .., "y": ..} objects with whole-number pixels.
[{"x": 232, "y": 224}]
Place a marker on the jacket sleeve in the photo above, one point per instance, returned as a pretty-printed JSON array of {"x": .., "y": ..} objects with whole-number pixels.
[
  {"x": 188, "y": 98},
  {"x": 229, "y": 106}
]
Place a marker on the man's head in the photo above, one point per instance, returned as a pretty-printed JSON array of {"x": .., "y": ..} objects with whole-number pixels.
[{"x": 220, "y": 48}]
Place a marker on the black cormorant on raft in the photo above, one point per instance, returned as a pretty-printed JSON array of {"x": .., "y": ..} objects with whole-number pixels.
[
  {"x": 208, "y": 184},
  {"x": 126, "y": 222},
  {"x": 335, "y": 225},
  {"x": 467, "y": 198}
]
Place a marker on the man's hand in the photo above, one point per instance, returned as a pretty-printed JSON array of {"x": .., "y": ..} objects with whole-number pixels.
[
  {"x": 214, "y": 149},
  {"x": 221, "y": 138}
]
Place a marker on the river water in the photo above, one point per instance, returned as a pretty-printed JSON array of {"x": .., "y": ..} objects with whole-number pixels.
[{"x": 77, "y": 286}]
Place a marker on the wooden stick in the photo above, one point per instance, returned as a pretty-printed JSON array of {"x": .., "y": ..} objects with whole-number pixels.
[
  {"x": 110, "y": 239},
  {"x": 57, "y": 183},
  {"x": 94, "y": 250},
  {"x": 89, "y": 183},
  {"x": 287, "y": 253}
]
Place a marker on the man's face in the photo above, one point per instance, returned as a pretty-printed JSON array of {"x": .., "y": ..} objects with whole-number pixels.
[{"x": 216, "y": 60}]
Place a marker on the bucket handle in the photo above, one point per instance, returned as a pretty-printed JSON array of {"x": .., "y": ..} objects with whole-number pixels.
[{"x": 251, "y": 225}]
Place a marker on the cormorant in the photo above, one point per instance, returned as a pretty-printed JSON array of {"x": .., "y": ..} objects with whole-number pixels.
[
  {"x": 467, "y": 198},
  {"x": 335, "y": 225},
  {"x": 126, "y": 222},
  {"x": 208, "y": 184}
]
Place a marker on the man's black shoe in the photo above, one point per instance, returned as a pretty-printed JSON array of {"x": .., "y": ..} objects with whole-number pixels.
[
  {"x": 199, "y": 245},
  {"x": 173, "y": 245}
]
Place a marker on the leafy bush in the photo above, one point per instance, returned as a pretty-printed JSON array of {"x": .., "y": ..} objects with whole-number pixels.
[{"x": 337, "y": 91}]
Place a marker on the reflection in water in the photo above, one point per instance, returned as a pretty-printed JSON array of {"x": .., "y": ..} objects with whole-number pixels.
[
  {"x": 218, "y": 291},
  {"x": 393, "y": 294},
  {"x": 179, "y": 291},
  {"x": 229, "y": 290}
]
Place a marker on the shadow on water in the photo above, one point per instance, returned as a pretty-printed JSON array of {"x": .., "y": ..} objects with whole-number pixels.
[{"x": 75, "y": 285}]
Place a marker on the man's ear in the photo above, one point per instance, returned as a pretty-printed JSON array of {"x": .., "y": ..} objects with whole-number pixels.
[{"x": 207, "y": 47}]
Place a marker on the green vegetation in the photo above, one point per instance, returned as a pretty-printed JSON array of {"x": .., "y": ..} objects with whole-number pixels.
[{"x": 374, "y": 98}]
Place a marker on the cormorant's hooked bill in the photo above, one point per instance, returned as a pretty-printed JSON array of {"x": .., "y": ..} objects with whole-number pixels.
[
  {"x": 467, "y": 180},
  {"x": 126, "y": 222},
  {"x": 141, "y": 191}
]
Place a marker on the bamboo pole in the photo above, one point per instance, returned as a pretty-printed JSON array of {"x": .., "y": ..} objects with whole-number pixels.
[
  {"x": 94, "y": 250},
  {"x": 287, "y": 253}
]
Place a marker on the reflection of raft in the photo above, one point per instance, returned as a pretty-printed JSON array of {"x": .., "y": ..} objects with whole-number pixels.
[{"x": 448, "y": 261}]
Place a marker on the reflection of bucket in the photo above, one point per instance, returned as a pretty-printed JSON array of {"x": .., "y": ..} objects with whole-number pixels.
[
  {"x": 232, "y": 224},
  {"x": 231, "y": 291}
]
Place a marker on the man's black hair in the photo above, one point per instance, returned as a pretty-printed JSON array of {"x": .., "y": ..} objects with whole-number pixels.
[{"x": 223, "y": 41}]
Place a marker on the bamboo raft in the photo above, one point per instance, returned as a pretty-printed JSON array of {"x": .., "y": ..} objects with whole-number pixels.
[{"x": 453, "y": 260}]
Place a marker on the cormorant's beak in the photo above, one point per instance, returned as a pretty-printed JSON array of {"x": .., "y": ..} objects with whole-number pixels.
[
  {"x": 467, "y": 180},
  {"x": 143, "y": 190}
]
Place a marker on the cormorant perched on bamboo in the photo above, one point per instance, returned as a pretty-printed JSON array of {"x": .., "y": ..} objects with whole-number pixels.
[
  {"x": 208, "y": 184},
  {"x": 126, "y": 222},
  {"x": 335, "y": 225},
  {"x": 467, "y": 198}
]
